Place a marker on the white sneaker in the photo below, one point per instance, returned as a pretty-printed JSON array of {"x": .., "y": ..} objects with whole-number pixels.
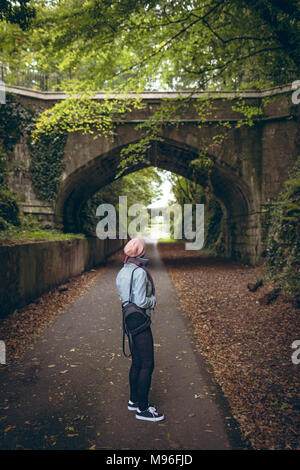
[{"x": 150, "y": 414}]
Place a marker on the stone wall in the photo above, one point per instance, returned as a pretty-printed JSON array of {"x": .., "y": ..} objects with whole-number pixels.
[{"x": 29, "y": 270}]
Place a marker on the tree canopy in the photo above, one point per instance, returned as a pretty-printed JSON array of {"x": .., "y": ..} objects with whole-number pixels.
[
  {"x": 20, "y": 13},
  {"x": 134, "y": 44}
]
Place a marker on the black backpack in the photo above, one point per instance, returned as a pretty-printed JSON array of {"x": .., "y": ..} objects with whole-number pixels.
[{"x": 135, "y": 319}]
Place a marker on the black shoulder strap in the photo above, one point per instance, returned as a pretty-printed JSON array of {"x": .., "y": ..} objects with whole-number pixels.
[
  {"x": 129, "y": 342},
  {"x": 131, "y": 281}
]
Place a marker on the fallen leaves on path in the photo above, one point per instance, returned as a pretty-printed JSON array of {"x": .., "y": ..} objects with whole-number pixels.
[
  {"x": 247, "y": 343},
  {"x": 21, "y": 328}
]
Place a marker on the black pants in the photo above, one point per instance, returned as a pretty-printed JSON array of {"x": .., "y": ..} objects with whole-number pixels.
[{"x": 141, "y": 368}]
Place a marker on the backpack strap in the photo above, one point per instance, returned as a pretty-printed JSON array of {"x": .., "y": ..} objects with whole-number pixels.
[
  {"x": 129, "y": 342},
  {"x": 124, "y": 326},
  {"x": 131, "y": 282}
]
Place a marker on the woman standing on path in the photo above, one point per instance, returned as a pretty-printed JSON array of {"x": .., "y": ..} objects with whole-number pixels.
[{"x": 142, "y": 351}]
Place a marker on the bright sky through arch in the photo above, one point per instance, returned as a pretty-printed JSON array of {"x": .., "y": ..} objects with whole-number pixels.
[{"x": 167, "y": 193}]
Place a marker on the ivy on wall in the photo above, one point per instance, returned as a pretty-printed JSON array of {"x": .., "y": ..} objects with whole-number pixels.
[
  {"x": 14, "y": 120},
  {"x": 46, "y": 153},
  {"x": 214, "y": 227},
  {"x": 283, "y": 235},
  {"x": 47, "y": 164}
]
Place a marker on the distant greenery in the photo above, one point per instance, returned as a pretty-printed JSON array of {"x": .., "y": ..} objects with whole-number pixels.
[
  {"x": 189, "y": 192},
  {"x": 283, "y": 235}
]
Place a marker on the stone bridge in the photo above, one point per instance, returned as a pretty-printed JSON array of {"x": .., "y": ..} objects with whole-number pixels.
[{"x": 250, "y": 165}]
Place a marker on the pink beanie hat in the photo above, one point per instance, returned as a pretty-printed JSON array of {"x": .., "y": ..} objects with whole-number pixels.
[{"x": 135, "y": 247}]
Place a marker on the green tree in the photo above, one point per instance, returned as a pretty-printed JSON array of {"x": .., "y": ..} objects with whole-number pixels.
[
  {"x": 189, "y": 192},
  {"x": 282, "y": 221},
  {"x": 182, "y": 42},
  {"x": 147, "y": 43},
  {"x": 20, "y": 13}
]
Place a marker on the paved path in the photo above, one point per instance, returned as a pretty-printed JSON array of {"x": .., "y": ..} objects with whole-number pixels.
[{"x": 71, "y": 390}]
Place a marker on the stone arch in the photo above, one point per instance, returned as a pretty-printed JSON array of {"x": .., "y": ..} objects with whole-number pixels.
[{"x": 227, "y": 187}]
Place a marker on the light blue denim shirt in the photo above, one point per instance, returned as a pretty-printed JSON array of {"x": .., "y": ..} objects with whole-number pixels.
[{"x": 141, "y": 287}]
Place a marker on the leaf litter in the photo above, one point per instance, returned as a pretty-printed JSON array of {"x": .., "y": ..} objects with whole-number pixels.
[
  {"x": 246, "y": 342},
  {"x": 22, "y": 328}
]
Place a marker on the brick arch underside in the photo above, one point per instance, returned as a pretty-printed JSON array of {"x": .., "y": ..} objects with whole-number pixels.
[{"x": 229, "y": 189}]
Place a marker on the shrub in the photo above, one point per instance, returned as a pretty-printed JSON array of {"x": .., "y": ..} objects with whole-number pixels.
[
  {"x": 283, "y": 238},
  {"x": 9, "y": 209}
]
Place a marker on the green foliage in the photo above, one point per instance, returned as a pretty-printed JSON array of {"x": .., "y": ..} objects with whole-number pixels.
[
  {"x": 46, "y": 149},
  {"x": 80, "y": 112},
  {"x": 250, "y": 112},
  {"x": 203, "y": 162},
  {"x": 29, "y": 229},
  {"x": 3, "y": 165},
  {"x": 214, "y": 229},
  {"x": 46, "y": 167},
  {"x": 189, "y": 192},
  {"x": 133, "y": 45},
  {"x": 19, "y": 13},
  {"x": 9, "y": 209},
  {"x": 166, "y": 115},
  {"x": 3, "y": 224},
  {"x": 12, "y": 234},
  {"x": 204, "y": 106},
  {"x": 162, "y": 43},
  {"x": 283, "y": 235},
  {"x": 14, "y": 120},
  {"x": 186, "y": 191},
  {"x": 151, "y": 131}
]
